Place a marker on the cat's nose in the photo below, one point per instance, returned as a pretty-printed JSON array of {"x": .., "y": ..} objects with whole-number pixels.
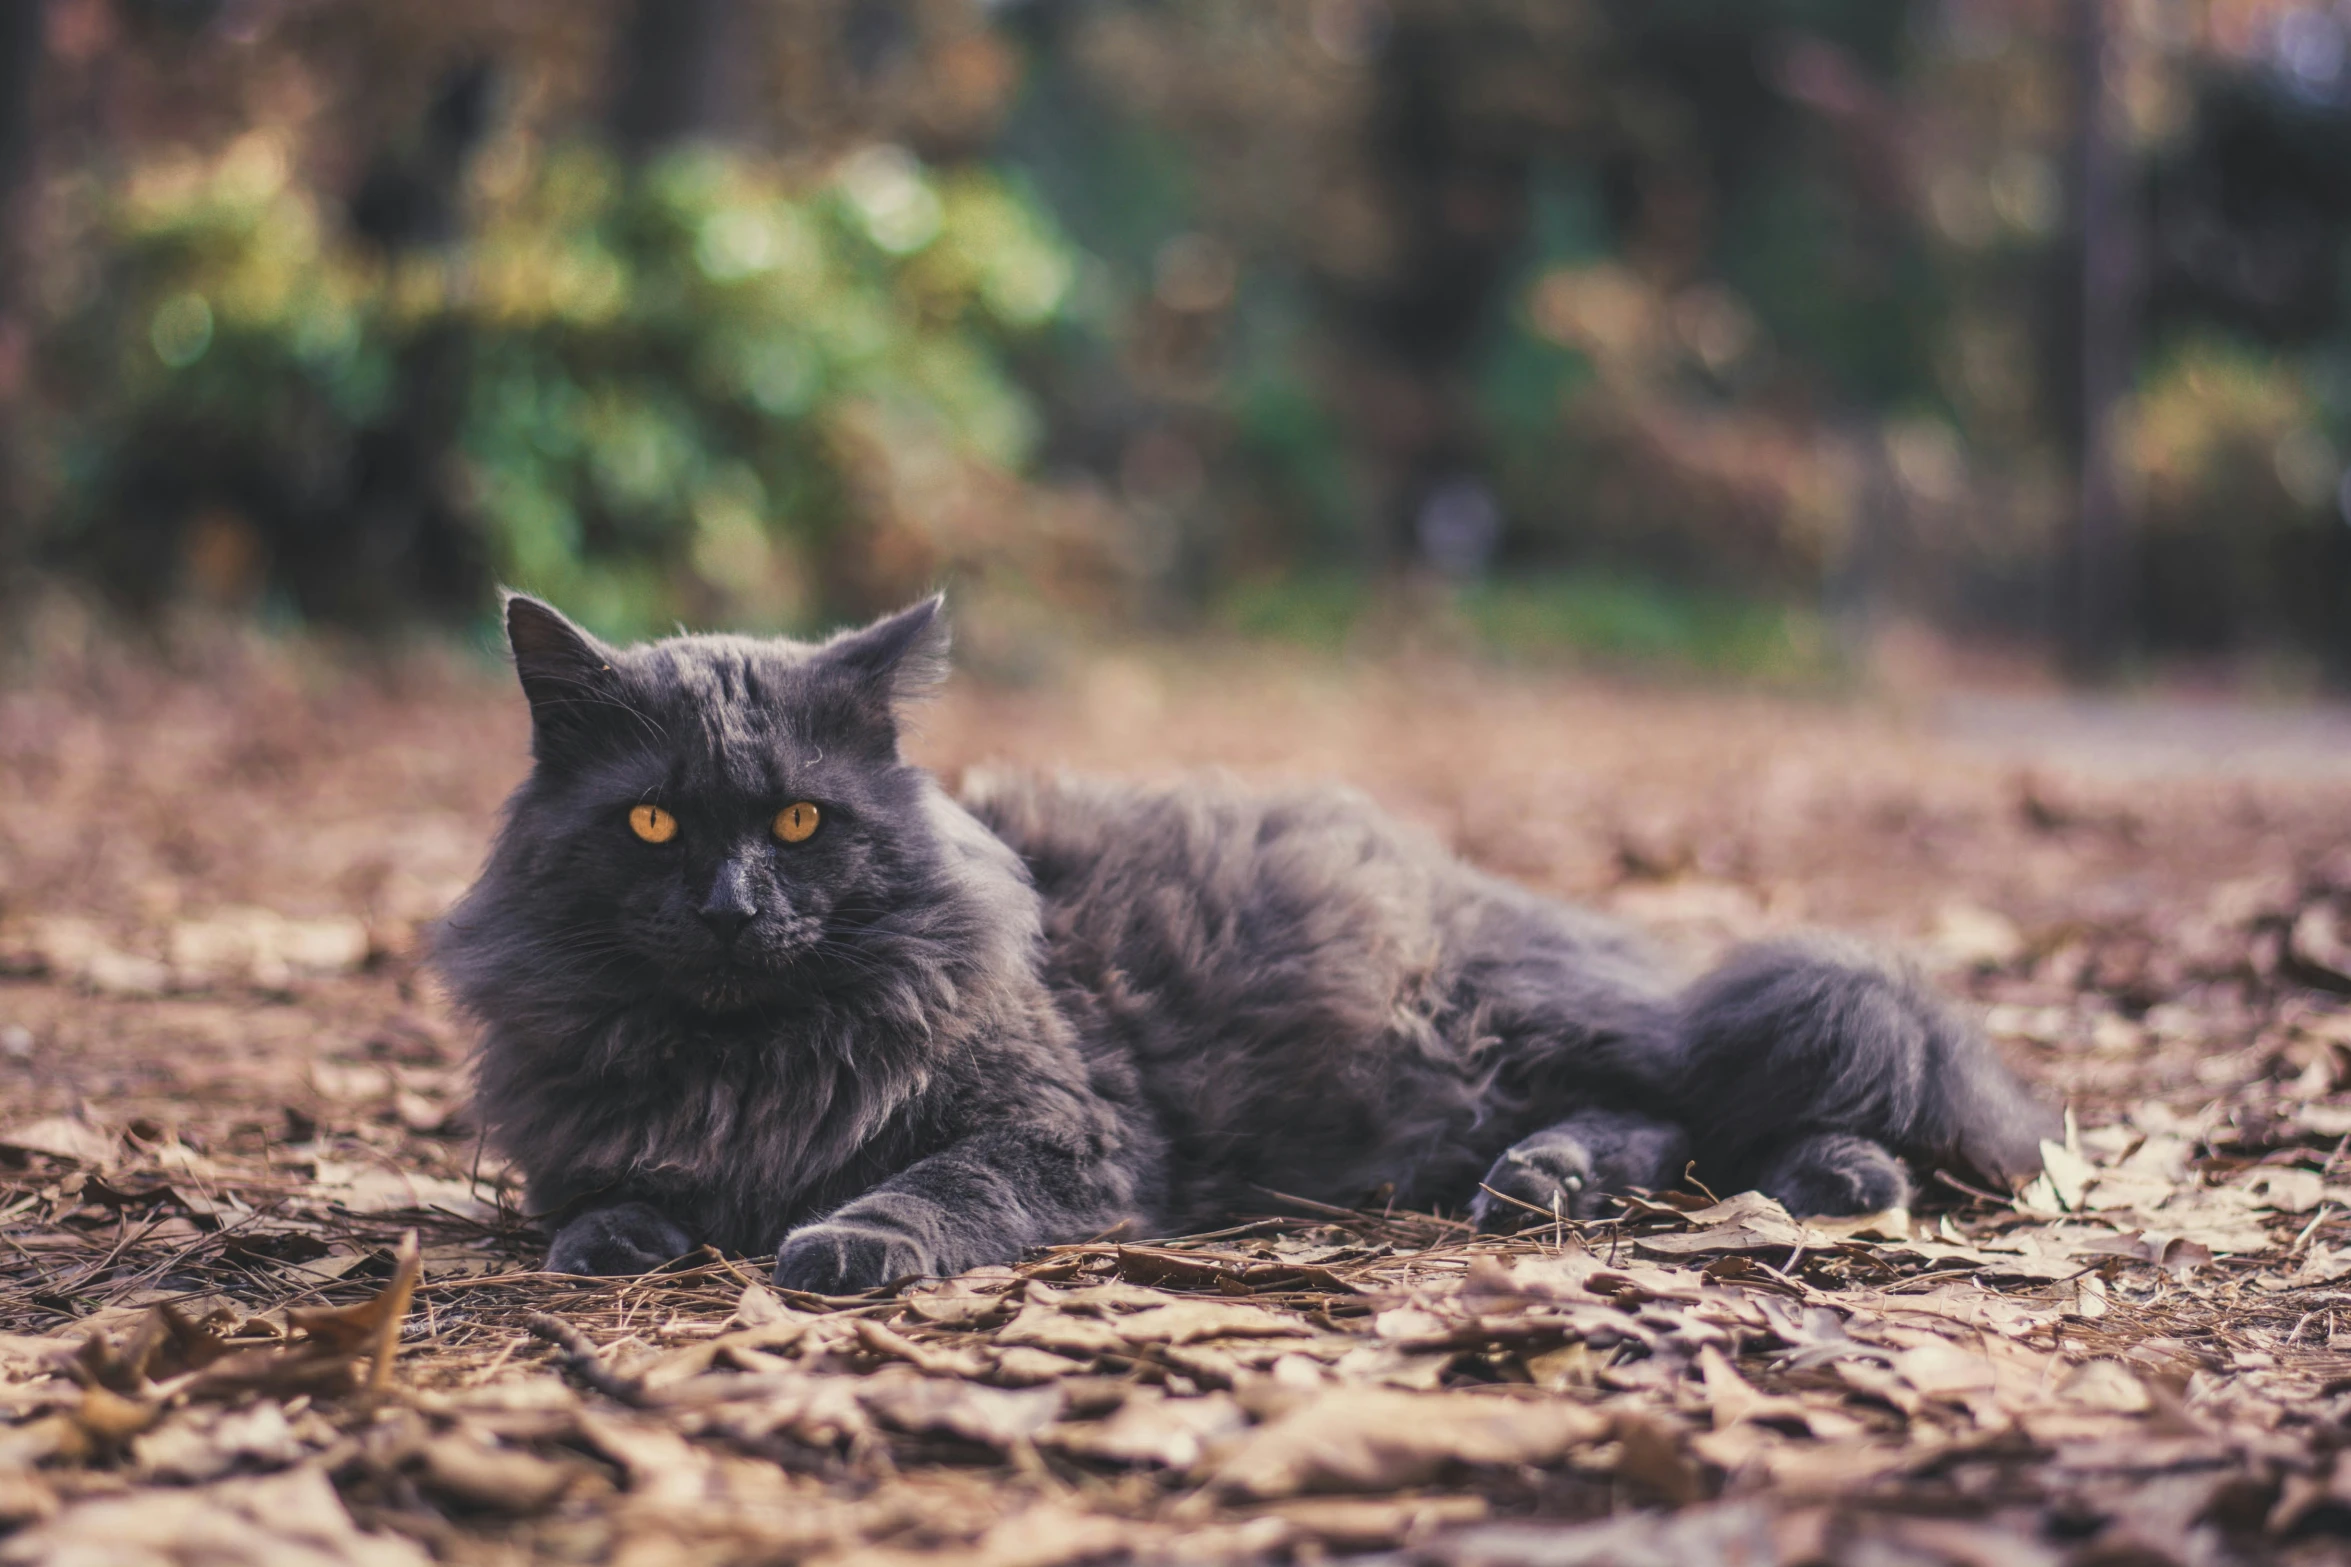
[
  {"x": 727, "y": 924},
  {"x": 729, "y": 907}
]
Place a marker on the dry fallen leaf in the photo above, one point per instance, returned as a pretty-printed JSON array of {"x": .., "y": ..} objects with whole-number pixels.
[
  {"x": 1048, "y": 1327},
  {"x": 24, "y": 1498},
  {"x": 758, "y": 1307},
  {"x": 1747, "y": 1222},
  {"x": 1152, "y": 1428},
  {"x": 1189, "y": 1322},
  {"x": 63, "y": 1137},
  {"x": 1945, "y": 1370},
  {"x": 196, "y": 1445},
  {"x": 356, "y": 1188},
  {"x": 2106, "y": 1384},
  {"x": 372, "y": 1327},
  {"x": 1727, "y": 1534},
  {"x": 1000, "y": 1418},
  {"x": 167, "y": 1356},
  {"x": 975, "y": 1297},
  {"x": 483, "y": 1474},
  {"x": 286, "y": 1520},
  {"x": 1367, "y": 1439},
  {"x": 1353, "y": 1524}
]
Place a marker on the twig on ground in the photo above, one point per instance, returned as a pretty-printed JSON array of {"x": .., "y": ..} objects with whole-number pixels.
[
  {"x": 1690, "y": 1174},
  {"x": 1517, "y": 1202},
  {"x": 1311, "y": 1205},
  {"x": 582, "y": 1361},
  {"x": 1977, "y": 1192}
]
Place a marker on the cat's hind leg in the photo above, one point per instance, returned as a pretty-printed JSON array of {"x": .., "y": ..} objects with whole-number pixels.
[
  {"x": 1812, "y": 1065},
  {"x": 1834, "y": 1172},
  {"x": 628, "y": 1237},
  {"x": 1571, "y": 1167}
]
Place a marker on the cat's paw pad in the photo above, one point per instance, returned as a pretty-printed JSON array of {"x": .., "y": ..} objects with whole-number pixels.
[
  {"x": 1549, "y": 1176},
  {"x": 631, "y": 1238},
  {"x": 843, "y": 1258},
  {"x": 1835, "y": 1174}
]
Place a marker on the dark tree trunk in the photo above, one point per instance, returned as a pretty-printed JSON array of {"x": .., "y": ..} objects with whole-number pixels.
[
  {"x": 22, "y": 41},
  {"x": 1457, "y": 199},
  {"x": 678, "y": 72},
  {"x": 2099, "y": 601}
]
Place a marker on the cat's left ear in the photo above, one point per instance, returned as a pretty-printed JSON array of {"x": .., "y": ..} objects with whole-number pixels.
[{"x": 899, "y": 658}]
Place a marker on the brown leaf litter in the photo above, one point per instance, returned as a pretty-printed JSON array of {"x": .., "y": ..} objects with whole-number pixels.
[
  {"x": 263, "y": 1297},
  {"x": 1394, "y": 1383}
]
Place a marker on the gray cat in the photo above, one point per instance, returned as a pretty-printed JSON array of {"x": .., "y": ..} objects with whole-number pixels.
[{"x": 746, "y": 977}]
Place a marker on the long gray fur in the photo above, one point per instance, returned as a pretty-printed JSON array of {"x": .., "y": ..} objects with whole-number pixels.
[{"x": 950, "y": 1028}]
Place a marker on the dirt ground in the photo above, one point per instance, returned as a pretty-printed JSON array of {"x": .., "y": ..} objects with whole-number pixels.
[{"x": 227, "y": 1094}]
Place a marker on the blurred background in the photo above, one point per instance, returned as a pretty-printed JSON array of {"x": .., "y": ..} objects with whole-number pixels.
[{"x": 1767, "y": 338}]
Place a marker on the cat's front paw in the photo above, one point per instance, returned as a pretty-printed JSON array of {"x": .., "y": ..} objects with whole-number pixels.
[
  {"x": 1573, "y": 1168},
  {"x": 630, "y": 1237},
  {"x": 1549, "y": 1176},
  {"x": 842, "y": 1258}
]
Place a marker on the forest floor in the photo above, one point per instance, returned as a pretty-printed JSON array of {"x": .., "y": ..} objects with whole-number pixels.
[{"x": 229, "y": 1098}]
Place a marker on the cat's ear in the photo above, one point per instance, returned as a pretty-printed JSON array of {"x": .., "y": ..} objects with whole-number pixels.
[
  {"x": 898, "y": 658},
  {"x": 566, "y": 674}
]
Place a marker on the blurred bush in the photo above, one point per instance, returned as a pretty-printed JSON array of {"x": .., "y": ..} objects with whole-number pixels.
[
  {"x": 2241, "y": 498},
  {"x": 1604, "y": 619},
  {"x": 1665, "y": 329},
  {"x": 1763, "y": 306},
  {"x": 710, "y": 386}
]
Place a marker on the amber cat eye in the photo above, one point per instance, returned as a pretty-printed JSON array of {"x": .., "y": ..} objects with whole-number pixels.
[
  {"x": 653, "y": 824},
  {"x": 795, "y": 822}
]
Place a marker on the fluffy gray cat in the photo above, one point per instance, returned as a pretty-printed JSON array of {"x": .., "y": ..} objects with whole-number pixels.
[{"x": 747, "y": 977}]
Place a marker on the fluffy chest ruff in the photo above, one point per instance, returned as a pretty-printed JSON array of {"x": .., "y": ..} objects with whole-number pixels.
[{"x": 739, "y": 1135}]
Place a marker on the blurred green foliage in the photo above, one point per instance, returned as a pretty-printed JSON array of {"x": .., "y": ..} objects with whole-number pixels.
[
  {"x": 667, "y": 381},
  {"x": 1666, "y": 330},
  {"x": 1610, "y": 619},
  {"x": 1631, "y": 620},
  {"x": 1759, "y": 308},
  {"x": 2240, "y": 492}
]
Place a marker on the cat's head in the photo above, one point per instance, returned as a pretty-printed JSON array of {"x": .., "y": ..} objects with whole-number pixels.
[{"x": 725, "y": 820}]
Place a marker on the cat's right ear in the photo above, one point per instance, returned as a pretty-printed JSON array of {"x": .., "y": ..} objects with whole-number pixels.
[
  {"x": 886, "y": 666},
  {"x": 566, "y": 674}
]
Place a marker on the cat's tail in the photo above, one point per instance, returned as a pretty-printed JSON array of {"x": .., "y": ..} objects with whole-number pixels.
[{"x": 1814, "y": 1042}]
